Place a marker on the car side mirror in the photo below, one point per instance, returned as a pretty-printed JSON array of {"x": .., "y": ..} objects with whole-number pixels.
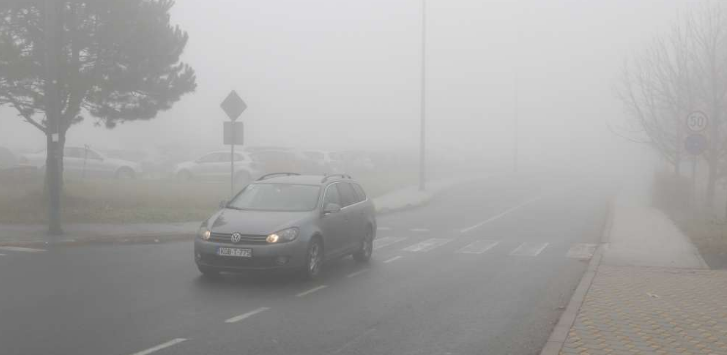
[
  {"x": 331, "y": 208},
  {"x": 223, "y": 204}
]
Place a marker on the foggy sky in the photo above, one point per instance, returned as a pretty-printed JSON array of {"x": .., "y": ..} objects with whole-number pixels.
[{"x": 336, "y": 74}]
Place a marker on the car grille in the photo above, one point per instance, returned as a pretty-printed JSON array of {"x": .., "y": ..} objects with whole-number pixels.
[
  {"x": 233, "y": 262},
  {"x": 246, "y": 239}
]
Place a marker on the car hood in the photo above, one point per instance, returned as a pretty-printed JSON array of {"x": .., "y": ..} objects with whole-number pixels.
[{"x": 255, "y": 222}]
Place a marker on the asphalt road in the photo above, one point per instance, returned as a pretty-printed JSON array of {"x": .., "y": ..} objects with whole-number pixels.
[{"x": 483, "y": 269}]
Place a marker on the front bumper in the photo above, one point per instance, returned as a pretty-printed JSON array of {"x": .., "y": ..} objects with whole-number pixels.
[{"x": 282, "y": 256}]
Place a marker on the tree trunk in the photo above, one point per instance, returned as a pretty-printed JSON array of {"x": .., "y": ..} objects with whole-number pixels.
[
  {"x": 53, "y": 177},
  {"x": 53, "y": 30}
]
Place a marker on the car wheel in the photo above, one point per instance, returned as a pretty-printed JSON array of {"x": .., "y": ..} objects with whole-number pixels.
[
  {"x": 124, "y": 174},
  {"x": 208, "y": 272},
  {"x": 366, "y": 249},
  {"x": 313, "y": 259}
]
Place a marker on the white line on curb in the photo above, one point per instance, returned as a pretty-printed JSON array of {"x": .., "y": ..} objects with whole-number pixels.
[
  {"x": 356, "y": 273},
  {"x": 160, "y": 346},
  {"x": 246, "y": 315},
  {"x": 27, "y": 250},
  {"x": 503, "y": 214},
  {"x": 314, "y": 289},
  {"x": 393, "y": 259}
]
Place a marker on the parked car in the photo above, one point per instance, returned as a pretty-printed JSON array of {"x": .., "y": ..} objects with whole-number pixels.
[
  {"x": 216, "y": 166},
  {"x": 278, "y": 160},
  {"x": 11, "y": 168},
  {"x": 323, "y": 162},
  {"x": 355, "y": 161},
  {"x": 80, "y": 162},
  {"x": 290, "y": 222}
]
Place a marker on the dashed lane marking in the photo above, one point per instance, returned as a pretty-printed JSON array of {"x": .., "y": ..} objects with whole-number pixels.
[
  {"x": 582, "y": 251},
  {"x": 383, "y": 228},
  {"x": 478, "y": 247},
  {"x": 419, "y": 230},
  {"x": 314, "y": 289},
  {"x": 386, "y": 241},
  {"x": 503, "y": 214},
  {"x": 427, "y": 245},
  {"x": 529, "y": 249},
  {"x": 246, "y": 315},
  {"x": 160, "y": 346},
  {"x": 356, "y": 273},
  {"x": 393, "y": 259}
]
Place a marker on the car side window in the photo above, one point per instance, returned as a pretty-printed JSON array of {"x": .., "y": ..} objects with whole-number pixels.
[
  {"x": 348, "y": 195},
  {"x": 359, "y": 192},
  {"x": 332, "y": 196},
  {"x": 91, "y": 154},
  {"x": 209, "y": 158},
  {"x": 72, "y": 152}
]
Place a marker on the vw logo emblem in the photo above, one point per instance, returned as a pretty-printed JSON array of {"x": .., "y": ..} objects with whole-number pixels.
[{"x": 235, "y": 237}]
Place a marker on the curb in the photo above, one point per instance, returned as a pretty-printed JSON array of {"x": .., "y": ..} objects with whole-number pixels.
[{"x": 557, "y": 338}]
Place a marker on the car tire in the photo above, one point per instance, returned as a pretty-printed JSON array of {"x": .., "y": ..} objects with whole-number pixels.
[
  {"x": 313, "y": 259},
  {"x": 124, "y": 173},
  {"x": 364, "y": 252},
  {"x": 208, "y": 272}
]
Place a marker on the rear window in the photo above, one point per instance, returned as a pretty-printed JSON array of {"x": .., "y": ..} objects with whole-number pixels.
[
  {"x": 361, "y": 195},
  {"x": 348, "y": 195}
]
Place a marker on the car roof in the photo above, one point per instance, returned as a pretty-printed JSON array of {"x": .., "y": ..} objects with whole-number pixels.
[{"x": 302, "y": 180}]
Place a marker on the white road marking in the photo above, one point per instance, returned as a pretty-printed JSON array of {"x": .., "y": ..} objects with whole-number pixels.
[
  {"x": 160, "y": 346},
  {"x": 314, "y": 289},
  {"x": 393, "y": 259},
  {"x": 246, "y": 315},
  {"x": 27, "y": 250},
  {"x": 386, "y": 241},
  {"x": 582, "y": 251},
  {"x": 478, "y": 247},
  {"x": 353, "y": 341},
  {"x": 419, "y": 230},
  {"x": 529, "y": 249},
  {"x": 356, "y": 273},
  {"x": 383, "y": 228},
  {"x": 427, "y": 245},
  {"x": 503, "y": 214},
  {"x": 2, "y": 254}
]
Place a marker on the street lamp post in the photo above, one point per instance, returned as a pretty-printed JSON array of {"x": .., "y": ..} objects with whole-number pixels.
[{"x": 422, "y": 137}]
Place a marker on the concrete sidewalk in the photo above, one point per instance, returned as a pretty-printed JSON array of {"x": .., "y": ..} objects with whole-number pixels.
[
  {"x": 647, "y": 291},
  {"x": 77, "y": 234}
]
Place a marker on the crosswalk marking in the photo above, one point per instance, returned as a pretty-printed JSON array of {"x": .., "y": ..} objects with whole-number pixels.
[
  {"x": 386, "y": 241},
  {"x": 582, "y": 251},
  {"x": 529, "y": 249},
  {"x": 427, "y": 245},
  {"x": 478, "y": 247}
]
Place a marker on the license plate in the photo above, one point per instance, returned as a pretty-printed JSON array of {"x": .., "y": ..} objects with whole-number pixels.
[{"x": 237, "y": 252}]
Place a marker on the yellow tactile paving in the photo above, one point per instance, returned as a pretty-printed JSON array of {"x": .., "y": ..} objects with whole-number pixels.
[{"x": 630, "y": 310}]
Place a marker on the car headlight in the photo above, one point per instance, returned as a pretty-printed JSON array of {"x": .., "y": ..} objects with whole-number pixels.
[
  {"x": 286, "y": 235},
  {"x": 204, "y": 233}
]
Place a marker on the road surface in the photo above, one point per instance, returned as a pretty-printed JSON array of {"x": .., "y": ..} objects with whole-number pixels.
[{"x": 485, "y": 268}]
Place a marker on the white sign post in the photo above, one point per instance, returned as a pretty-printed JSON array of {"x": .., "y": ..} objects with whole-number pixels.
[{"x": 234, "y": 106}]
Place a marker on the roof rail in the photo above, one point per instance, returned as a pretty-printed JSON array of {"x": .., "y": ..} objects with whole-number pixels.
[
  {"x": 344, "y": 176},
  {"x": 267, "y": 176}
]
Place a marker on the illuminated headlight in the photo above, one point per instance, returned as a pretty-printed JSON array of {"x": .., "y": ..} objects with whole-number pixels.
[
  {"x": 204, "y": 233},
  {"x": 286, "y": 235}
]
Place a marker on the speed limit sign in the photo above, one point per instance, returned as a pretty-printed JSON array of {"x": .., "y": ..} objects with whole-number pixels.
[{"x": 697, "y": 121}]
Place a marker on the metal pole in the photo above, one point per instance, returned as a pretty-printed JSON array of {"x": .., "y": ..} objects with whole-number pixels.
[
  {"x": 232, "y": 161},
  {"x": 516, "y": 136},
  {"x": 422, "y": 160}
]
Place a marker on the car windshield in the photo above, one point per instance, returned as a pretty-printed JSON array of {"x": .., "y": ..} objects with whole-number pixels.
[{"x": 276, "y": 197}]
